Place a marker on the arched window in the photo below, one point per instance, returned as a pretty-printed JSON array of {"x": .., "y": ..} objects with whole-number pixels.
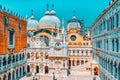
[
  {"x": 46, "y": 70},
  {"x": 16, "y": 57},
  {"x": 73, "y": 62},
  {"x": 17, "y": 73},
  {"x": 46, "y": 55},
  {"x": 23, "y": 56},
  {"x": 20, "y": 71},
  {"x": 37, "y": 69},
  {"x": 6, "y": 21},
  {"x": 96, "y": 71},
  {"x": 19, "y": 25},
  {"x": 20, "y": 56},
  {"x": 4, "y": 61},
  {"x": 0, "y": 63},
  {"x": 37, "y": 55},
  {"x": 4, "y": 77},
  {"x": 117, "y": 20},
  {"x": 81, "y": 51},
  {"x": 82, "y": 62},
  {"x": 77, "y": 51},
  {"x": 86, "y": 61},
  {"x": 86, "y": 53},
  {"x": 13, "y": 58},
  {"x": 11, "y": 37},
  {"x": 73, "y": 51},
  {"x": 78, "y": 62},
  {"x": 13, "y": 75},
  {"x": 9, "y": 59},
  {"x": 63, "y": 63},
  {"x": 28, "y": 55},
  {"x": 28, "y": 68},
  {"x": 9, "y": 76}
]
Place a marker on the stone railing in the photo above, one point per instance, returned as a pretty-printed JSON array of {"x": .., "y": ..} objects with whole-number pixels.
[{"x": 6, "y": 67}]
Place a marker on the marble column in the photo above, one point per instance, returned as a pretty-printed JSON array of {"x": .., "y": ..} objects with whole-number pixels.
[
  {"x": 11, "y": 76},
  {"x": 21, "y": 71},
  {"x": 113, "y": 70}
]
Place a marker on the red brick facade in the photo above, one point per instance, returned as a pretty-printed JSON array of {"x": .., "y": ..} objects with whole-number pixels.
[{"x": 19, "y": 34}]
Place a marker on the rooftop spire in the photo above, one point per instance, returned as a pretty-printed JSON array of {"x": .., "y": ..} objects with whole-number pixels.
[
  {"x": 32, "y": 15},
  {"x": 63, "y": 29},
  {"x": 32, "y": 12},
  {"x": 47, "y": 6},
  {"x": 47, "y": 9},
  {"x": 52, "y": 6},
  {"x": 74, "y": 14}
]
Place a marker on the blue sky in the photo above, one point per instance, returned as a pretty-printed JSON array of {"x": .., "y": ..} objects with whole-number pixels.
[{"x": 88, "y": 10}]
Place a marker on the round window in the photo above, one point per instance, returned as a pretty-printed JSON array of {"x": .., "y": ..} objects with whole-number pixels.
[{"x": 73, "y": 37}]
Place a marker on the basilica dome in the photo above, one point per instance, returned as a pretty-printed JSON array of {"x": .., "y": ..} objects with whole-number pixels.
[
  {"x": 32, "y": 24},
  {"x": 50, "y": 20},
  {"x": 74, "y": 23}
]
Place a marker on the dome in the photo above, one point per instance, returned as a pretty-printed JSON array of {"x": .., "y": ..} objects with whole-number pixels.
[
  {"x": 32, "y": 24},
  {"x": 74, "y": 23},
  {"x": 53, "y": 12},
  {"x": 49, "y": 21},
  {"x": 47, "y": 12}
]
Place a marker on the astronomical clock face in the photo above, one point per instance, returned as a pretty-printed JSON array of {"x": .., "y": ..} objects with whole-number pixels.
[
  {"x": 73, "y": 37},
  {"x": 58, "y": 46}
]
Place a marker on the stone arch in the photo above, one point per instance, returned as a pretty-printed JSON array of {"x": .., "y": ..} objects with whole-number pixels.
[
  {"x": 23, "y": 56},
  {"x": 73, "y": 62},
  {"x": 37, "y": 69},
  {"x": 23, "y": 70},
  {"x": 28, "y": 68},
  {"x": 69, "y": 63},
  {"x": 9, "y": 59},
  {"x": 17, "y": 58},
  {"x": 46, "y": 70},
  {"x": 28, "y": 55},
  {"x": 78, "y": 62},
  {"x": 9, "y": 76},
  {"x": 73, "y": 51},
  {"x": 82, "y": 62},
  {"x": 37, "y": 55},
  {"x": 4, "y": 77},
  {"x": 46, "y": 55},
  {"x": 17, "y": 73},
  {"x": 13, "y": 58},
  {"x": 86, "y": 52},
  {"x": 20, "y": 71},
  {"x": 20, "y": 56},
  {"x": 13, "y": 75},
  {"x": 86, "y": 61},
  {"x": 4, "y": 61},
  {"x": 96, "y": 70}
]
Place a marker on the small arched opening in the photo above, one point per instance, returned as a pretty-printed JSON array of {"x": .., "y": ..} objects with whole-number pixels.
[{"x": 46, "y": 70}]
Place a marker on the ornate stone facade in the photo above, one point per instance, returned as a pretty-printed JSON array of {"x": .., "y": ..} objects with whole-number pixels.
[
  {"x": 105, "y": 33},
  {"x": 54, "y": 51},
  {"x": 12, "y": 45}
]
